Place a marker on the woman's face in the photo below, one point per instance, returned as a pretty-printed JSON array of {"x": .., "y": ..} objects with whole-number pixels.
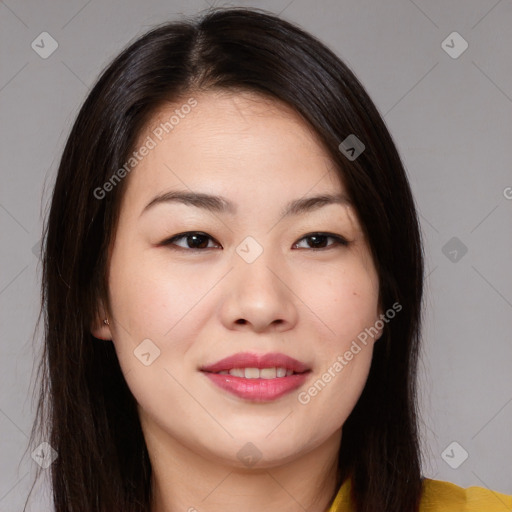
[{"x": 254, "y": 280}]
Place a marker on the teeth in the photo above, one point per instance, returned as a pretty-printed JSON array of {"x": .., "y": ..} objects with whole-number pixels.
[
  {"x": 267, "y": 373},
  {"x": 256, "y": 373},
  {"x": 252, "y": 373}
]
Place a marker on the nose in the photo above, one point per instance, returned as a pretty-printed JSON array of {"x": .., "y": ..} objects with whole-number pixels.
[{"x": 260, "y": 296}]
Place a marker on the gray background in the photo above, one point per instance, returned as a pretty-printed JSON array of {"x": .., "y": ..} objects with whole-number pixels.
[{"x": 450, "y": 118}]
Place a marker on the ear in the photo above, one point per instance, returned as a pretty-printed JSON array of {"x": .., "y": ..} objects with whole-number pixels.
[
  {"x": 379, "y": 323},
  {"x": 99, "y": 329}
]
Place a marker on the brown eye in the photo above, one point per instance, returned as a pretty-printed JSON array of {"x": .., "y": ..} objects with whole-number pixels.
[
  {"x": 318, "y": 241},
  {"x": 193, "y": 240}
]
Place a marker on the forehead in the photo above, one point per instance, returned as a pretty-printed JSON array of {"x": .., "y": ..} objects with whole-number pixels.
[
  {"x": 241, "y": 142},
  {"x": 237, "y": 112}
]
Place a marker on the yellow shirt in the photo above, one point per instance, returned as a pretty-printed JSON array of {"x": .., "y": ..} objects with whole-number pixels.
[{"x": 439, "y": 496}]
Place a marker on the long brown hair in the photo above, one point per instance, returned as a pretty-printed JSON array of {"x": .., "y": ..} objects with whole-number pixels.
[{"x": 85, "y": 410}]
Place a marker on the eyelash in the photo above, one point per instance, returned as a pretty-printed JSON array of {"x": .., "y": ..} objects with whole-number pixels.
[{"x": 340, "y": 241}]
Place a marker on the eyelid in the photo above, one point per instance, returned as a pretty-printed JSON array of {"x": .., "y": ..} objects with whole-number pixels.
[
  {"x": 340, "y": 240},
  {"x": 185, "y": 234}
]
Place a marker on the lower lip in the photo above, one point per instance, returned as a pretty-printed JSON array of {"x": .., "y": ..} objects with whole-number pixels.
[{"x": 258, "y": 390}]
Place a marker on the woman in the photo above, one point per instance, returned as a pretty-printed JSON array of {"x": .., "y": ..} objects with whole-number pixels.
[{"x": 232, "y": 286}]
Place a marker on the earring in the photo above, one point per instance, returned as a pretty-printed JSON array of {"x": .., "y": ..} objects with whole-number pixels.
[{"x": 106, "y": 321}]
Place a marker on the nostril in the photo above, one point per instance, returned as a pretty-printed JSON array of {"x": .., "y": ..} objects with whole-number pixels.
[{"x": 241, "y": 321}]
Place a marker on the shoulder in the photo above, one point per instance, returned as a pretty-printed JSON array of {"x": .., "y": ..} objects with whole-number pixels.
[{"x": 440, "y": 496}]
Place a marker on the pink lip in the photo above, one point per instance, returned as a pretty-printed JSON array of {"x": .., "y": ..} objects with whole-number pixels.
[
  {"x": 248, "y": 360},
  {"x": 257, "y": 390}
]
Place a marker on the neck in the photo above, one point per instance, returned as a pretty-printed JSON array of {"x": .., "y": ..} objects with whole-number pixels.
[{"x": 185, "y": 480}]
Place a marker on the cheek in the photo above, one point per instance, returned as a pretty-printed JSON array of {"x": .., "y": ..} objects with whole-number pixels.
[
  {"x": 344, "y": 297},
  {"x": 345, "y": 300},
  {"x": 347, "y": 306},
  {"x": 150, "y": 295},
  {"x": 153, "y": 301},
  {"x": 163, "y": 302}
]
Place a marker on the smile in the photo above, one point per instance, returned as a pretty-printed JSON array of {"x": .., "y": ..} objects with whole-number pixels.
[
  {"x": 258, "y": 373},
  {"x": 257, "y": 377}
]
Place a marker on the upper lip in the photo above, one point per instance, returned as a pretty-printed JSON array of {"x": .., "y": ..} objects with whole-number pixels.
[{"x": 249, "y": 360}]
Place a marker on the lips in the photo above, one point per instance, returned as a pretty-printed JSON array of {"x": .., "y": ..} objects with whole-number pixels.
[
  {"x": 257, "y": 378},
  {"x": 260, "y": 361}
]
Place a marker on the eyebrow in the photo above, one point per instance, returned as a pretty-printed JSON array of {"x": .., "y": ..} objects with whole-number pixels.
[{"x": 219, "y": 204}]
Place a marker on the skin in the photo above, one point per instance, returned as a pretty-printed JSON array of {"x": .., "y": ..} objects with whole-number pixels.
[{"x": 305, "y": 302}]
